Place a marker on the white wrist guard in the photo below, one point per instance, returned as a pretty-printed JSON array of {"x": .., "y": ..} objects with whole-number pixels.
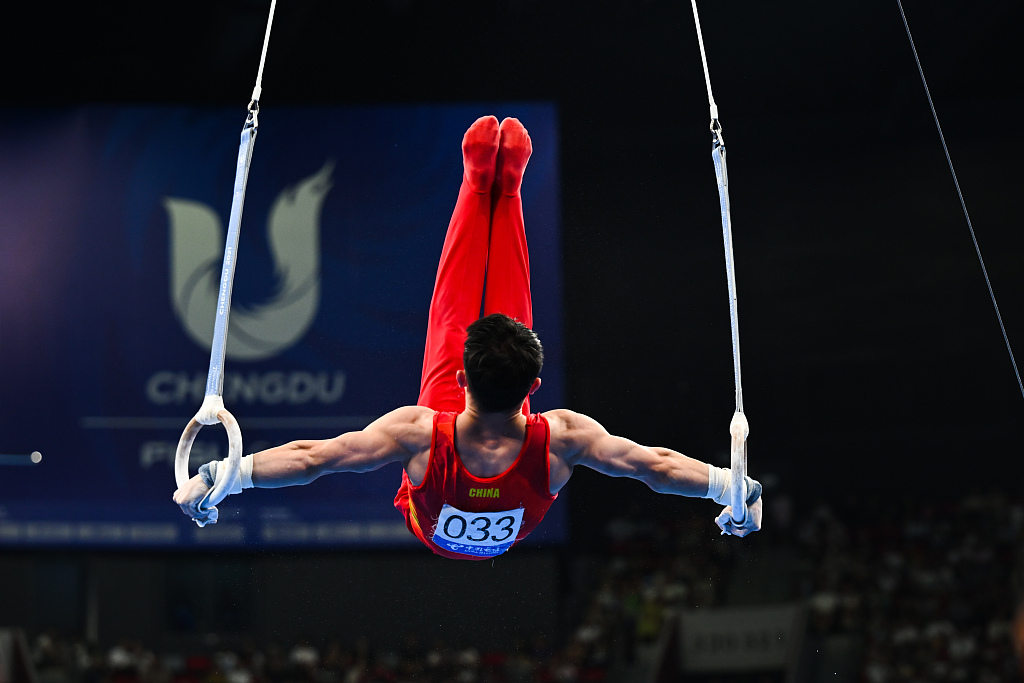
[
  {"x": 719, "y": 481},
  {"x": 245, "y": 469},
  {"x": 244, "y": 481}
]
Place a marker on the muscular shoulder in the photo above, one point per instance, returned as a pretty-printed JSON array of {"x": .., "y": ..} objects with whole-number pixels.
[
  {"x": 411, "y": 426},
  {"x": 564, "y": 420},
  {"x": 571, "y": 432}
]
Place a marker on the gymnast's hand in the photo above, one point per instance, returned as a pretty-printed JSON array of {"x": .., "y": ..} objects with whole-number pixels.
[
  {"x": 750, "y": 524},
  {"x": 191, "y": 498}
]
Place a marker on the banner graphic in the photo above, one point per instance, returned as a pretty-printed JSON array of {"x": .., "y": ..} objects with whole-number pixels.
[{"x": 112, "y": 224}]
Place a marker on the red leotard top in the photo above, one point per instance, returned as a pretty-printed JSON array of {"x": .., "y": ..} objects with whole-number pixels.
[{"x": 524, "y": 485}]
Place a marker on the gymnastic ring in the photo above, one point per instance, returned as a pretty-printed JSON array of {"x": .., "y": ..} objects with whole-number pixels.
[{"x": 233, "y": 464}]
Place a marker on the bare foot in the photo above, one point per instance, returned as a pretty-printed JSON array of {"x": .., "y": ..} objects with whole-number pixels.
[
  {"x": 479, "y": 153},
  {"x": 513, "y": 155}
]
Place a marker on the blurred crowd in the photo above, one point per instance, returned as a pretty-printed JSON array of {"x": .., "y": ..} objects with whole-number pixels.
[
  {"x": 646, "y": 569},
  {"x": 915, "y": 594},
  {"x": 649, "y": 571},
  {"x": 925, "y": 592},
  {"x": 62, "y": 661}
]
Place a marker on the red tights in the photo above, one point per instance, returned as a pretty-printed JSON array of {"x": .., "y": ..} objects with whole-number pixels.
[{"x": 485, "y": 260}]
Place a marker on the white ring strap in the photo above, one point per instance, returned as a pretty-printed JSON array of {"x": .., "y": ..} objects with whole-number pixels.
[
  {"x": 213, "y": 409},
  {"x": 738, "y": 428}
]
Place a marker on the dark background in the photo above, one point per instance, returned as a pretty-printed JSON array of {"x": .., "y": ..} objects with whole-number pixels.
[{"x": 874, "y": 366}]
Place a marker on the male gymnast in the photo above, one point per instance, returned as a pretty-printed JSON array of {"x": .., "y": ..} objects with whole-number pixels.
[{"x": 480, "y": 470}]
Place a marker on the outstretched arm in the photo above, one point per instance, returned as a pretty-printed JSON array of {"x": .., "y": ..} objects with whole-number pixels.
[
  {"x": 396, "y": 437},
  {"x": 580, "y": 440}
]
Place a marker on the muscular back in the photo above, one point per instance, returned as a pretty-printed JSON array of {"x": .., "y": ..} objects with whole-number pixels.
[
  {"x": 486, "y": 447},
  {"x": 489, "y": 446}
]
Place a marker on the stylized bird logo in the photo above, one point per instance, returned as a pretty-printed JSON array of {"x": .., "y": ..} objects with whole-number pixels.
[{"x": 197, "y": 247}]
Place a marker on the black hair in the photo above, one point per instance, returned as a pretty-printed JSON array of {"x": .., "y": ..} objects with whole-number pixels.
[{"x": 502, "y": 357}]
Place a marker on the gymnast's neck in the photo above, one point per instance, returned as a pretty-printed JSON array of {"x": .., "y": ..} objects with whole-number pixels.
[{"x": 474, "y": 423}]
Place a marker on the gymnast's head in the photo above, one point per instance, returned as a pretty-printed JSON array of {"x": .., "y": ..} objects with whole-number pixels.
[{"x": 502, "y": 361}]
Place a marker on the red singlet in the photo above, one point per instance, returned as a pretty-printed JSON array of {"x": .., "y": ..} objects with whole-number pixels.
[{"x": 524, "y": 485}]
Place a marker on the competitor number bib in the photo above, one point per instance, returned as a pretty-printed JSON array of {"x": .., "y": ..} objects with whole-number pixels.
[{"x": 484, "y": 534}]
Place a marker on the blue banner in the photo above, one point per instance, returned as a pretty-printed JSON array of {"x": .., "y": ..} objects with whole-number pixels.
[{"x": 112, "y": 223}]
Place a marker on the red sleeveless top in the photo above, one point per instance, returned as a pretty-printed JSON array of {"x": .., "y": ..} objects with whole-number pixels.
[{"x": 451, "y": 495}]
